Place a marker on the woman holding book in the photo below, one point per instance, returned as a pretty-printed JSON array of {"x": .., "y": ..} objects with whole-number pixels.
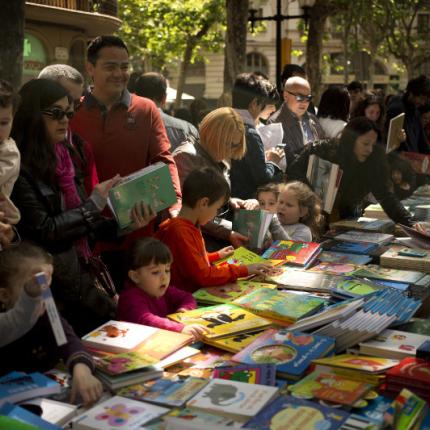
[
  {"x": 365, "y": 170},
  {"x": 55, "y": 212}
]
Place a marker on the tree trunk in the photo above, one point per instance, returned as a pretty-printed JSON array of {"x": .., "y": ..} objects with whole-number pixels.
[
  {"x": 235, "y": 41},
  {"x": 12, "y": 40},
  {"x": 186, "y": 60}
]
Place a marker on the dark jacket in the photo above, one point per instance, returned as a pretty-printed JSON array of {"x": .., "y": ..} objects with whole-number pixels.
[
  {"x": 252, "y": 170},
  {"x": 178, "y": 130},
  {"x": 358, "y": 179},
  {"x": 293, "y": 135},
  {"x": 415, "y": 137}
]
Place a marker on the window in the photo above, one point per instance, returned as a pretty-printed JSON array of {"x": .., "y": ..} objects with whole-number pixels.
[
  {"x": 423, "y": 23},
  {"x": 256, "y": 62}
]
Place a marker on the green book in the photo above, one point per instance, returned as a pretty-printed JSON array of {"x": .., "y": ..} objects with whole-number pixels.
[
  {"x": 280, "y": 305},
  {"x": 252, "y": 224},
  {"x": 153, "y": 185}
]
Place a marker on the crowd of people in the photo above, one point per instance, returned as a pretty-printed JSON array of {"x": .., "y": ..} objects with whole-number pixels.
[{"x": 63, "y": 147}]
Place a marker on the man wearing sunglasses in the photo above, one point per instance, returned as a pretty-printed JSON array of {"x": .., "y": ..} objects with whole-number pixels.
[{"x": 300, "y": 127}]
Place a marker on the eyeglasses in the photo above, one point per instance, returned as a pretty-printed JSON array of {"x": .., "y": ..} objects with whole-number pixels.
[
  {"x": 301, "y": 97},
  {"x": 58, "y": 114}
]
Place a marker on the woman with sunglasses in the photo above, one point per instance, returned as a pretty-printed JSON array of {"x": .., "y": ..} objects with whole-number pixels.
[{"x": 55, "y": 212}]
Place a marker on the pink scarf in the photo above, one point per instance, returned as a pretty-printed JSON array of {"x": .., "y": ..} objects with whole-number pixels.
[{"x": 65, "y": 174}]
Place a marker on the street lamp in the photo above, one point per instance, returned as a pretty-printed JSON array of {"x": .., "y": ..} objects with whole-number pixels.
[{"x": 278, "y": 18}]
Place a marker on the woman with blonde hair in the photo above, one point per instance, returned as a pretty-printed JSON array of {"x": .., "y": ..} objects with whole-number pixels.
[{"x": 222, "y": 139}]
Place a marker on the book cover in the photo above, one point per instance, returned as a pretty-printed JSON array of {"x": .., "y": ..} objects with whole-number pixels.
[
  {"x": 7, "y": 423},
  {"x": 232, "y": 398},
  {"x": 367, "y": 237},
  {"x": 412, "y": 371},
  {"x": 227, "y": 293},
  {"x": 393, "y": 344},
  {"x": 280, "y": 305},
  {"x": 115, "y": 382},
  {"x": 118, "y": 336},
  {"x": 354, "y": 287},
  {"x": 291, "y": 351},
  {"x": 17, "y": 412},
  {"x": 126, "y": 362},
  {"x": 293, "y": 252},
  {"x": 165, "y": 392},
  {"x": 342, "y": 257},
  {"x": 118, "y": 412},
  {"x": 241, "y": 255},
  {"x": 253, "y": 224},
  {"x": 334, "y": 268},
  {"x": 233, "y": 343},
  {"x": 394, "y": 128},
  {"x": 54, "y": 412},
  {"x": 178, "y": 356},
  {"x": 153, "y": 185},
  {"x": 358, "y": 248},
  {"x": 373, "y": 271},
  {"x": 19, "y": 386},
  {"x": 330, "y": 387},
  {"x": 364, "y": 223},
  {"x": 264, "y": 374},
  {"x": 222, "y": 320},
  {"x": 300, "y": 414},
  {"x": 396, "y": 257}
]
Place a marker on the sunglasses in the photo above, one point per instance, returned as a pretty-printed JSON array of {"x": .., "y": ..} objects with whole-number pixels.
[
  {"x": 301, "y": 97},
  {"x": 58, "y": 114}
]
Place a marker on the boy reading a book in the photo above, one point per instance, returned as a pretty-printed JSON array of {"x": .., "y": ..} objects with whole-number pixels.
[
  {"x": 204, "y": 192},
  {"x": 147, "y": 297}
]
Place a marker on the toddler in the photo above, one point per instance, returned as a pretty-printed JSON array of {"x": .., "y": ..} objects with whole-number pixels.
[
  {"x": 267, "y": 196},
  {"x": 9, "y": 155},
  {"x": 37, "y": 350},
  {"x": 147, "y": 297}
]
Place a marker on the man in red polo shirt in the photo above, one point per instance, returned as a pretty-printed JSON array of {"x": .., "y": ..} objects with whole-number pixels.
[{"x": 125, "y": 131}]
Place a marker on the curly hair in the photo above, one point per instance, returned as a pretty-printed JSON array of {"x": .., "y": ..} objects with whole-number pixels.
[{"x": 309, "y": 200}]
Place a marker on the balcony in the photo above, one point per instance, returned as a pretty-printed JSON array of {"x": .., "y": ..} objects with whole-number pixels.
[{"x": 94, "y": 17}]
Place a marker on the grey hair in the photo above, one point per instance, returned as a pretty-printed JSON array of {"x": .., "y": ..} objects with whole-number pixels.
[{"x": 56, "y": 71}]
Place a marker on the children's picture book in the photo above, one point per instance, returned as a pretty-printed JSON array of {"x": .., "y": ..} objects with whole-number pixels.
[
  {"x": 264, "y": 374},
  {"x": 330, "y": 387},
  {"x": 411, "y": 371},
  {"x": 118, "y": 412},
  {"x": 234, "y": 343},
  {"x": 237, "y": 400},
  {"x": 291, "y": 351},
  {"x": 19, "y": 386},
  {"x": 367, "y": 237},
  {"x": 118, "y": 364},
  {"x": 393, "y": 344},
  {"x": 363, "y": 248},
  {"x": 229, "y": 292},
  {"x": 355, "y": 287},
  {"x": 373, "y": 271},
  {"x": 280, "y": 305},
  {"x": 222, "y": 320},
  {"x": 253, "y": 224},
  {"x": 165, "y": 392},
  {"x": 334, "y": 268},
  {"x": 394, "y": 129},
  {"x": 324, "y": 177},
  {"x": 344, "y": 258},
  {"x": 241, "y": 255},
  {"x": 287, "y": 412},
  {"x": 293, "y": 252},
  {"x": 19, "y": 413}
]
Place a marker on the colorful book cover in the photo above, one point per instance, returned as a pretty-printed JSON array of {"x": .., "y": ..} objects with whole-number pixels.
[
  {"x": 291, "y": 351},
  {"x": 411, "y": 370},
  {"x": 264, "y": 374},
  {"x": 358, "y": 362},
  {"x": 17, "y": 412},
  {"x": 378, "y": 272},
  {"x": 165, "y": 392},
  {"x": 253, "y": 224},
  {"x": 353, "y": 288},
  {"x": 342, "y": 257},
  {"x": 234, "y": 343},
  {"x": 280, "y": 305},
  {"x": 241, "y": 255},
  {"x": 334, "y": 268},
  {"x": 153, "y": 185},
  {"x": 222, "y": 320},
  {"x": 330, "y": 387},
  {"x": 229, "y": 292},
  {"x": 118, "y": 412},
  {"x": 232, "y": 398},
  {"x": 292, "y": 252},
  {"x": 300, "y": 414},
  {"x": 350, "y": 247},
  {"x": 123, "y": 363}
]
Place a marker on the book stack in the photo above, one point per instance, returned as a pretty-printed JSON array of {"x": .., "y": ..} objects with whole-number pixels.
[
  {"x": 364, "y": 224},
  {"x": 367, "y": 237},
  {"x": 359, "y": 248},
  {"x": 422, "y": 212},
  {"x": 399, "y": 257},
  {"x": 412, "y": 373},
  {"x": 253, "y": 224},
  {"x": 234, "y": 343}
]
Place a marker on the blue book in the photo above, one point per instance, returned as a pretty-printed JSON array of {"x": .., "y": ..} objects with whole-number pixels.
[
  {"x": 21, "y": 414},
  {"x": 17, "y": 386},
  {"x": 361, "y": 248},
  {"x": 343, "y": 257},
  {"x": 297, "y": 414},
  {"x": 291, "y": 351}
]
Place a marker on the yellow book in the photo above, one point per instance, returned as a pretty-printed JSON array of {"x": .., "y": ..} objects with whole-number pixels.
[
  {"x": 241, "y": 256},
  {"x": 234, "y": 343},
  {"x": 222, "y": 320}
]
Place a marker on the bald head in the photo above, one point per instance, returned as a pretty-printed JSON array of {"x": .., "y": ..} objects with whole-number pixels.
[{"x": 296, "y": 92}]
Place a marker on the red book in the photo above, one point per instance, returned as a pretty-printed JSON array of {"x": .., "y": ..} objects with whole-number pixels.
[
  {"x": 410, "y": 371},
  {"x": 293, "y": 252}
]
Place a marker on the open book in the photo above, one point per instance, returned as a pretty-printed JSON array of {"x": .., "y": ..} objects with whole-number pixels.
[{"x": 252, "y": 224}]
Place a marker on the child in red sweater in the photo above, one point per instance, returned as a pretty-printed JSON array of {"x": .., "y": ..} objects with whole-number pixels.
[
  {"x": 204, "y": 192},
  {"x": 147, "y": 297}
]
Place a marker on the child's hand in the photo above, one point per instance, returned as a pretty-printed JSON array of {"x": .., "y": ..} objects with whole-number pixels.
[
  {"x": 195, "y": 330},
  {"x": 182, "y": 310},
  {"x": 141, "y": 215},
  {"x": 259, "y": 269},
  {"x": 84, "y": 383},
  {"x": 236, "y": 203},
  {"x": 225, "y": 252},
  {"x": 237, "y": 239},
  {"x": 251, "y": 204}
]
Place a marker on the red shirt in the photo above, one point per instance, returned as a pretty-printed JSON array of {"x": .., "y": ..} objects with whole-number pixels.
[{"x": 191, "y": 268}]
